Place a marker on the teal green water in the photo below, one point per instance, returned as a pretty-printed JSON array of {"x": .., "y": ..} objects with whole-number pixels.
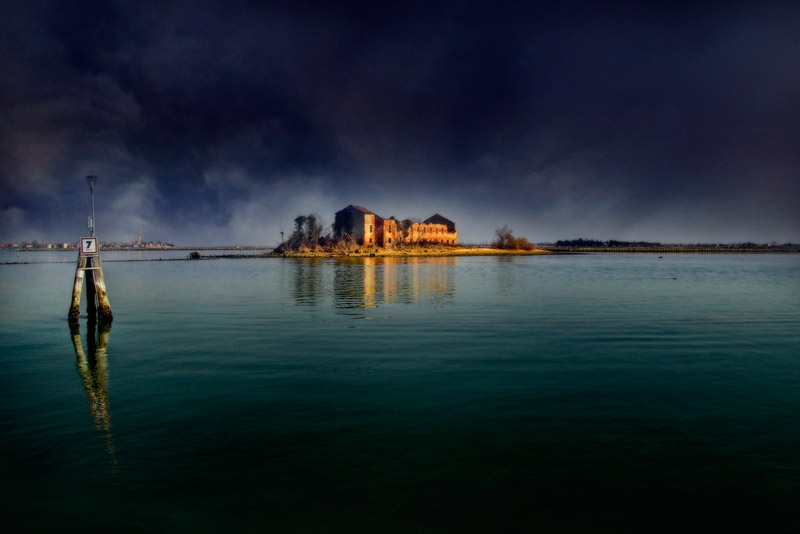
[{"x": 561, "y": 393}]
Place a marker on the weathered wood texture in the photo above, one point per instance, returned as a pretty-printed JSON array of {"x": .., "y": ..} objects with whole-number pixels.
[
  {"x": 103, "y": 306},
  {"x": 75, "y": 308},
  {"x": 98, "y": 307},
  {"x": 91, "y": 298}
]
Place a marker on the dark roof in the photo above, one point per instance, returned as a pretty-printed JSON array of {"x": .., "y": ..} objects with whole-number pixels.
[
  {"x": 438, "y": 219},
  {"x": 359, "y": 208}
]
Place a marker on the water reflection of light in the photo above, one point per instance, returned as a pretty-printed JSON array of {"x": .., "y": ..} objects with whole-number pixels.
[
  {"x": 433, "y": 279},
  {"x": 354, "y": 286},
  {"x": 92, "y": 366},
  {"x": 370, "y": 281}
]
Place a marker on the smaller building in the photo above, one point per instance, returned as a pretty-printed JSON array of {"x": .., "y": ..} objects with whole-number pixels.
[{"x": 435, "y": 229}]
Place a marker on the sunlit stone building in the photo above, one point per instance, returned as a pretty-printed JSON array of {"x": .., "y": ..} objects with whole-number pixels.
[{"x": 370, "y": 230}]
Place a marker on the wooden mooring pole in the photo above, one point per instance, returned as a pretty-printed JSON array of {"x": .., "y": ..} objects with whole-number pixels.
[
  {"x": 101, "y": 295},
  {"x": 91, "y": 294},
  {"x": 75, "y": 308},
  {"x": 90, "y": 267}
]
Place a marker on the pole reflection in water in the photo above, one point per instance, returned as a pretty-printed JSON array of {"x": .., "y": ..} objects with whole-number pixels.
[{"x": 92, "y": 366}]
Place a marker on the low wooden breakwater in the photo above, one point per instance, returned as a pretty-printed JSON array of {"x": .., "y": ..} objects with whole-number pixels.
[
  {"x": 185, "y": 258},
  {"x": 677, "y": 250},
  {"x": 554, "y": 250},
  {"x": 198, "y": 256}
]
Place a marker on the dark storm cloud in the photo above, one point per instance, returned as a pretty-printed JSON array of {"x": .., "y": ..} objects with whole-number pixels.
[{"x": 212, "y": 121}]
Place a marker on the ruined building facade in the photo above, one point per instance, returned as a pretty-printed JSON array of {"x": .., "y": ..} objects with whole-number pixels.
[
  {"x": 434, "y": 229},
  {"x": 367, "y": 229}
]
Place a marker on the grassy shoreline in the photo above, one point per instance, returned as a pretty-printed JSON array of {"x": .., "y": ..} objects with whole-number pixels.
[{"x": 413, "y": 252}]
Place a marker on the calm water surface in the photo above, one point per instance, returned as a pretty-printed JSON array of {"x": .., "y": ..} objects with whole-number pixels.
[{"x": 565, "y": 393}]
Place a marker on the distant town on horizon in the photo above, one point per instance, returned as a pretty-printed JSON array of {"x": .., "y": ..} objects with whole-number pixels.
[{"x": 368, "y": 230}]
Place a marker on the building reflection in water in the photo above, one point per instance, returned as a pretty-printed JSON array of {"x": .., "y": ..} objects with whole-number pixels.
[
  {"x": 92, "y": 366},
  {"x": 433, "y": 280},
  {"x": 506, "y": 275},
  {"x": 308, "y": 284},
  {"x": 365, "y": 283},
  {"x": 353, "y": 286}
]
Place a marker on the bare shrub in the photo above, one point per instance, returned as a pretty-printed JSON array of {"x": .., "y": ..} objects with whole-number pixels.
[{"x": 506, "y": 240}]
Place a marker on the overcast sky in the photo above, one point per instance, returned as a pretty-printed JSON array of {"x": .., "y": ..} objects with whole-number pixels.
[{"x": 220, "y": 122}]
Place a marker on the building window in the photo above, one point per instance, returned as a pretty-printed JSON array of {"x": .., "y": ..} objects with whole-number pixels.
[{"x": 370, "y": 228}]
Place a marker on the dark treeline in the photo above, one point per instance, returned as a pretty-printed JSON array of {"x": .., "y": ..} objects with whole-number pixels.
[{"x": 594, "y": 243}]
